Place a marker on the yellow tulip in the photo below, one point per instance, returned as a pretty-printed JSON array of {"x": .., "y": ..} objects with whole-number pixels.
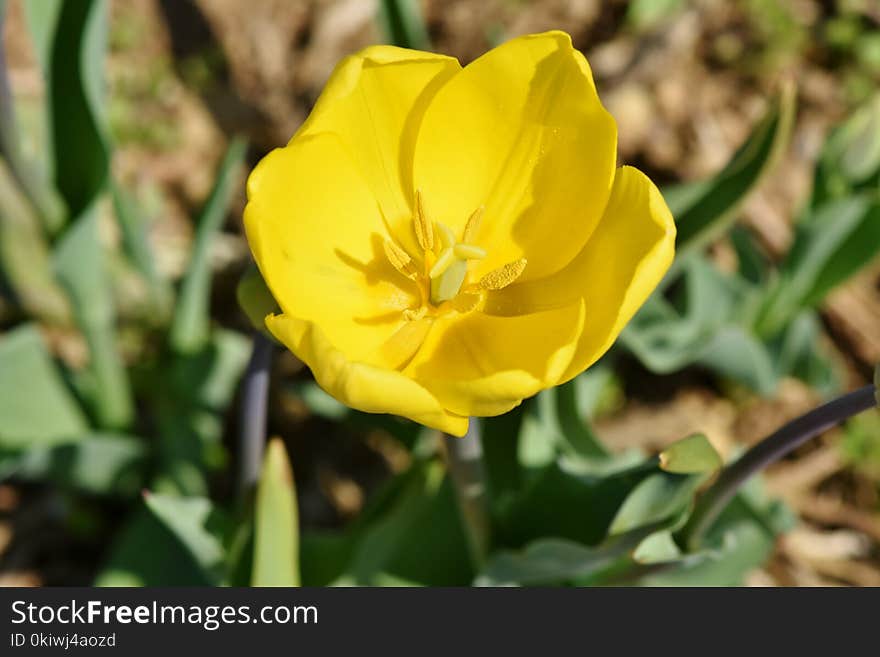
[{"x": 444, "y": 242}]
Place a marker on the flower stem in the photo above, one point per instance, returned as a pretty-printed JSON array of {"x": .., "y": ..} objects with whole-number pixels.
[
  {"x": 791, "y": 436},
  {"x": 254, "y": 409},
  {"x": 465, "y": 463}
]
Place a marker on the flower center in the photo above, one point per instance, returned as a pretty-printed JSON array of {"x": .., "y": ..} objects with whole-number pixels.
[{"x": 443, "y": 270}]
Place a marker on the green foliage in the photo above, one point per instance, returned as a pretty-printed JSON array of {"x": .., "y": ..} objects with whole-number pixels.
[
  {"x": 759, "y": 323},
  {"x": 36, "y": 408},
  {"x": 402, "y": 23},
  {"x": 276, "y": 532},
  {"x": 705, "y": 210},
  {"x": 189, "y": 328},
  {"x": 563, "y": 509},
  {"x": 690, "y": 455},
  {"x": 79, "y": 265}
]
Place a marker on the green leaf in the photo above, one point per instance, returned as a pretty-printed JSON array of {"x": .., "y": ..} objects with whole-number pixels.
[
  {"x": 192, "y": 393},
  {"x": 559, "y": 410},
  {"x": 691, "y": 455},
  {"x": 25, "y": 258},
  {"x": 35, "y": 406},
  {"x": 737, "y": 354},
  {"x": 402, "y": 23},
  {"x": 135, "y": 241},
  {"x": 189, "y": 328},
  {"x": 146, "y": 552},
  {"x": 79, "y": 264},
  {"x": 418, "y": 516},
  {"x": 556, "y": 561},
  {"x": 95, "y": 464},
  {"x": 194, "y": 523},
  {"x": 658, "y": 498},
  {"x": 706, "y": 209},
  {"x": 559, "y": 502},
  {"x": 30, "y": 179},
  {"x": 76, "y": 79},
  {"x": 276, "y": 524},
  {"x": 850, "y": 158},
  {"x": 832, "y": 242}
]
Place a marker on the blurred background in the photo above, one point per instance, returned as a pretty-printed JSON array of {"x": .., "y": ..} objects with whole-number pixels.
[{"x": 142, "y": 335}]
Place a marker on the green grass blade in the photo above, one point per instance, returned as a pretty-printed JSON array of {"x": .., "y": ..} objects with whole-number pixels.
[{"x": 189, "y": 329}]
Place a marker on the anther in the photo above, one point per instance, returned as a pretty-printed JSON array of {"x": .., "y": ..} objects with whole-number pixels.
[
  {"x": 503, "y": 276},
  {"x": 473, "y": 225},
  {"x": 398, "y": 258},
  {"x": 424, "y": 229}
]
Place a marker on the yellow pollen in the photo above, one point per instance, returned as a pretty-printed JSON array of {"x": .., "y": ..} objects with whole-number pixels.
[
  {"x": 398, "y": 258},
  {"x": 503, "y": 276},
  {"x": 424, "y": 229},
  {"x": 473, "y": 225}
]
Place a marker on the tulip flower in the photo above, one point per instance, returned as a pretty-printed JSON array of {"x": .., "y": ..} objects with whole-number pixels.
[{"x": 446, "y": 241}]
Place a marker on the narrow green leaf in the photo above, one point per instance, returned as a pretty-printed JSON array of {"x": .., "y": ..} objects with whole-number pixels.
[
  {"x": 691, "y": 455},
  {"x": 276, "y": 523},
  {"x": 832, "y": 242},
  {"x": 35, "y": 186},
  {"x": 76, "y": 78},
  {"x": 189, "y": 329},
  {"x": 79, "y": 264},
  {"x": 705, "y": 210},
  {"x": 35, "y": 406},
  {"x": 402, "y": 23}
]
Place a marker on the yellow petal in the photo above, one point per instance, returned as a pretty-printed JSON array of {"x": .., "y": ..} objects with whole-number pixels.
[
  {"x": 319, "y": 240},
  {"x": 622, "y": 263},
  {"x": 360, "y": 386},
  {"x": 374, "y": 101},
  {"x": 521, "y": 131},
  {"x": 485, "y": 365}
]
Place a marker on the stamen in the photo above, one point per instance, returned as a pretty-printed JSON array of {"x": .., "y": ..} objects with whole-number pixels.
[
  {"x": 469, "y": 252},
  {"x": 398, "y": 258},
  {"x": 446, "y": 258},
  {"x": 503, "y": 276},
  {"x": 424, "y": 229},
  {"x": 473, "y": 225}
]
